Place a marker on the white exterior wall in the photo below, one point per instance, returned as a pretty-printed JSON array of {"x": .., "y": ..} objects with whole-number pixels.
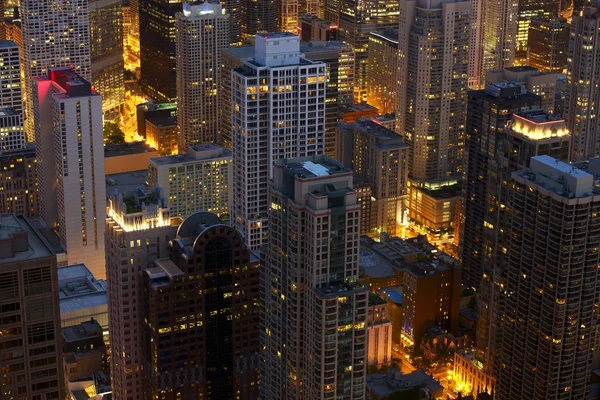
[
  {"x": 277, "y": 114},
  {"x": 379, "y": 341}
]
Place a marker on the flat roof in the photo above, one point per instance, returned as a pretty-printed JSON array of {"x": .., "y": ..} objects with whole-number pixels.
[
  {"x": 123, "y": 149},
  {"x": 7, "y": 43},
  {"x": 125, "y": 181},
  {"x": 313, "y": 167},
  {"x": 200, "y": 153},
  {"x": 37, "y": 247},
  {"x": 6, "y": 111}
]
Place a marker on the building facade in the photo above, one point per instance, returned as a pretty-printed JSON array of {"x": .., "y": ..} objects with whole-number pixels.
[
  {"x": 526, "y": 11},
  {"x": 136, "y": 235},
  {"x": 381, "y": 160},
  {"x": 29, "y": 314},
  {"x": 10, "y": 76},
  {"x": 382, "y": 70},
  {"x": 314, "y": 324},
  {"x": 158, "y": 59},
  {"x": 202, "y": 343},
  {"x": 560, "y": 203},
  {"x": 379, "y": 332},
  {"x": 488, "y": 113},
  {"x": 64, "y": 42},
  {"x": 431, "y": 113},
  {"x": 18, "y": 182},
  {"x": 202, "y": 32},
  {"x": 339, "y": 59},
  {"x": 107, "y": 65},
  {"x": 583, "y": 96},
  {"x": 70, "y": 160},
  {"x": 548, "y": 44},
  {"x": 279, "y": 112},
  {"x": 355, "y": 22},
  {"x": 201, "y": 179}
]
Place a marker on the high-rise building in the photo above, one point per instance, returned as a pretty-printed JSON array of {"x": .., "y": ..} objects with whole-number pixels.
[
  {"x": 313, "y": 328},
  {"x": 379, "y": 332},
  {"x": 29, "y": 313},
  {"x": 157, "y": 48},
  {"x": 18, "y": 182},
  {"x": 202, "y": 33},
  {"x": 548, "y": 44},
  {"x": 476, "y": 45},
  {"x": 380, "y": 159},
  {"x": 314, "y": 28},
  {"x": 258, "y": 16},
  {"x": 356, "y": 21},
  {"x": 10, "y": 76},
  {"x": 65, "y": 41},
  {"x": 202, "y": 343},
  {"x": 138, "y": 229},
  {"x": 291, "y": 12},
  {"x": 536, "y": 82},
  {"x": 278, "y": 103},
  {"x": 382, "y": 70},
  {"x": 339, "y": 59},
  {"x": 106, "y": 38},
  {"x": 526, "y": 11},
  {"x": 488, "y": 113},
  {"x": 433, "y": 42},
  {"x": 231, "y": 58},
  {"x": 11, "y": 130},
  {"x": 530, "y": 133},
  {"x": 200, "y": 179},
  {"x": 583, "y": 96},
  {"x": 499, "y": 32},
  {"x": 70, "y": 159},
  {"x": 547, "y": 327}
]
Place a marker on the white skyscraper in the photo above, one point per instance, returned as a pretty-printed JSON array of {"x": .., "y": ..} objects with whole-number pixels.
[
  {"x": 278, "y": 104},
  {"x": 70, "y": 153},
  {"x": 202, "y": 32},
  {"x": 55, "y": 33}
]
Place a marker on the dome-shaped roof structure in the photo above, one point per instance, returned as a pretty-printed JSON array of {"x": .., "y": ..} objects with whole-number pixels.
[{"x": 196, "y": 223}]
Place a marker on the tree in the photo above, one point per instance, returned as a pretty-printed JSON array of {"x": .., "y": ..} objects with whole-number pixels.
[{"x": 113, "y": 134}]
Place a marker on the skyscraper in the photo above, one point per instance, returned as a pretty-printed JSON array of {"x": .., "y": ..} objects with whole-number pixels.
[
  {"x": 10, "y": 76},
  {"x": 530, "y": 133},
  {"x": 202, "y": 343},
  {"x": 278, "y": 112},
  {"x": 157, "y": 48},
  {"x": 548, "y": 44},
  {"x": 202, "y": 33},
  {"x": 380, "y": 159},
  {"x": 106, "y": 38},
  {"x": 528, "y": 10},
  {"x": 55, "y": 34},
  {"x": 382, "y": 70},
  {"x": 547, "y": 327},
  {"x": 70, "y": 153},
  {"x": 583, "y": 94},
  {"x": 433, "y": 42},
  {"x": 138, "y": 229},
  {"x": 339, "y": 58},
  {"x": 356, "y": 21},
  {"x": 499, "y": 32},
  {"x": 32, "y": 365},
  {"x": 488, "y": 113},
  {"x": 313, "y": 327},
  {"x": 258, "y": 16}
]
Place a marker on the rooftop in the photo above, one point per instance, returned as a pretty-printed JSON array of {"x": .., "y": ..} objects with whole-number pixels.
[
  {"x": 70, "y": 81},
  {"x": 196, "y": 153},
  {"x": 276, "y": 35},
  {"x": 28, "y": 244},
  {"x": 395, "y": 382},
  {"x": 385, "y": 138},
  {"x": 387, "y": 34},
  {"x": 79, "y": 289},
  {"x": 121, "y": 149},
  {"x": 355, "y": 107},
  {"x": 558, "y": 177},
  {"x": 313, "y": 167},
  {"x": 393, "y": 256},
  {"x": 85, "y": 330},
  {"x": 125, "y": 182},
  {"x": 162, "y": 122},
  {"x": 7, "y": 43},
  {"x": 7, "y": 111},
  {"x": 395, "y": 293}
]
